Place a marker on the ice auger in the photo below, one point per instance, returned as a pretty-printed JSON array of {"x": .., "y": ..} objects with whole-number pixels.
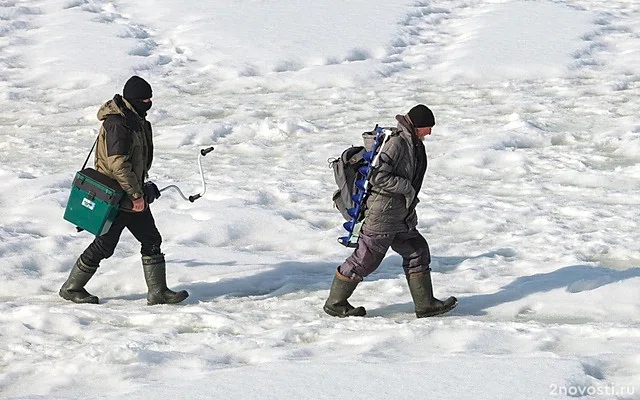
[{"x": 363, "y": 186}]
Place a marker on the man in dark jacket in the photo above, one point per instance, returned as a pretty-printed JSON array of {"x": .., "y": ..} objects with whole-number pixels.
[
  {"x": 124, "y": 152},
  {"x": 390, "y": 221}
]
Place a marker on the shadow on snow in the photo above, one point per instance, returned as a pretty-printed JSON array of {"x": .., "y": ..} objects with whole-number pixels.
[
  {"x": 299, "y": 277},
  {"x": 575, "y": 279}
]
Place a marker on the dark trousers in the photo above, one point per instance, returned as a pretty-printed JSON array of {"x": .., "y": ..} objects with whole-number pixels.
[
  {"x": 372, "y": 248},
  {"x": 141, "y": 225}
]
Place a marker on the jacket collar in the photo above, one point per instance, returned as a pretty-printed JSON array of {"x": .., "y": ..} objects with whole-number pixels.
[
  {"x": 126, "y": 108},
  {"x": 407, "y": 126}
]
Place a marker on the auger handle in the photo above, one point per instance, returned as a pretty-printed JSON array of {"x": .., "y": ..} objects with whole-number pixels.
[{"x": 192, "y": 198}]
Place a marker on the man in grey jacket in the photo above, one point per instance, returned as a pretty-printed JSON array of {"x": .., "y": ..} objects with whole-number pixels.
[{"x": 390, "y": 221}]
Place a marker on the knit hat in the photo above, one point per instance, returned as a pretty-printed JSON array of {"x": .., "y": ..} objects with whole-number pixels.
[
  {"x": 422, "y": 116},
  {"x": 136, "y": 88}
]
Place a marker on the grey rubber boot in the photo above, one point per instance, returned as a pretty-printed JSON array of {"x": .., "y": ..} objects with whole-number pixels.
[
  {"x": 155, "y": 275},
  {"x": 422, "y": 293},
  {"x": 73, "y": 289},
  {"x": 337, "y": 305}
]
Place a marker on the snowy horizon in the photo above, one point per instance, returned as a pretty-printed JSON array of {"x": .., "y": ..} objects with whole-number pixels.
[{"x": 529, "y": 204}]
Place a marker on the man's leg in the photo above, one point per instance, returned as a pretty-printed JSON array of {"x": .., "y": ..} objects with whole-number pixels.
[
  {"x": 365, "y": 259},
  {"x": 413, "y": 248},
  {"x": 103, "y": 246},
  {"x": 143, "y": 227},
  {"x": 86, "y": 265}
]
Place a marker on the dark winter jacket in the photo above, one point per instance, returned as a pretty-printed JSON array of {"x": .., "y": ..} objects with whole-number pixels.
[
  {"x": 392, "y": 202},
  {"x": 125, "y": 148}
]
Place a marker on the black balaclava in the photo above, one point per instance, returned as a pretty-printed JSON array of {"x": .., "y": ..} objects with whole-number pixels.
[{"x": 135, "y": 90}]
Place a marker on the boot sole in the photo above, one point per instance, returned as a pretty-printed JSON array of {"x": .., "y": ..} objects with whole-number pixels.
[
  {"x": 85, "y": 300},
  {"x": 177, "y": 300},
  {"x": 359, "y": 312},
  {"x": 439, "y": 312}
]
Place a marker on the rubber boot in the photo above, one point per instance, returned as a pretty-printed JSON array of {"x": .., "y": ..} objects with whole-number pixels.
[
  {"x": 73, "y": 289},
  {"x": 156, "y": 277},
  {"x": 337, "y": 305},
  {"x": 422, "y": 293}
]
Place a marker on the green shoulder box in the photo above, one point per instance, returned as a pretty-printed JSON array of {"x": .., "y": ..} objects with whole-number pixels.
[{"x": 93, "y": 202}]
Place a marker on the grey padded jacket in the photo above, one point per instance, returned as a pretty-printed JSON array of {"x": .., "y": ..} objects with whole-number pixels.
[{"x": 392, "y": 202}]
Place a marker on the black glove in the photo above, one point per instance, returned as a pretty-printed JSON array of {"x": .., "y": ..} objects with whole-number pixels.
[{"x": 151, "y": 192}]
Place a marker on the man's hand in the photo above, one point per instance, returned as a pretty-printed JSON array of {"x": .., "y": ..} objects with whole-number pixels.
[
  {"x": 138, "y": 204},
  {"x": 151, "y": 192}
]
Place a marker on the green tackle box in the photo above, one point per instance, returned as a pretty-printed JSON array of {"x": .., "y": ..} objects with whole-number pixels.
[{"x": 93, "y": 202}]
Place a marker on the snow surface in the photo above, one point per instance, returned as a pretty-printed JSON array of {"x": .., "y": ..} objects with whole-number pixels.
[{"x": 529, "y": 203}]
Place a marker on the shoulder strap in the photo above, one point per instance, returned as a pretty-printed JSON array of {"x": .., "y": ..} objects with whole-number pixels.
[{"x": 90, "y": 151}]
